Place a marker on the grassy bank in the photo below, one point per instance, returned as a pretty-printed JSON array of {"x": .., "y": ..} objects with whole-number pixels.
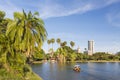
[
  {"x": 18, "y": 73},
  {"x": 18, "y": 76},
  {"x": 10, "y": 76}
]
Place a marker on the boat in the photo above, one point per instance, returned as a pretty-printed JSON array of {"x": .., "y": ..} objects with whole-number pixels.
[{"x": 76, "y": 68}]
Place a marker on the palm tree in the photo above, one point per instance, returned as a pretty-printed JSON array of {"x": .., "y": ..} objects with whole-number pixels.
[
  {"x": 52, "y": 41},
  {"x": 19, "y": 36},
  {"x": 65, "y": 43},
  {"x": 4, "y": 49},
  {"x": 48, "y": 42},
  {"x": 72, "y": 44},
  {"x": 58, "y": 41},
  {"x": 26, "y": 32},
  {"x": 3, "y": 22}
]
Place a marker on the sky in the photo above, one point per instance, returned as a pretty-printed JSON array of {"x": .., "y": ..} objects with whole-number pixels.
[{"x": 75, "y": 20}]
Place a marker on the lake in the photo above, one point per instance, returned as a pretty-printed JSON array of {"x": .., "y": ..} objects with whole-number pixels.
[{"x": 89, "y": 71}]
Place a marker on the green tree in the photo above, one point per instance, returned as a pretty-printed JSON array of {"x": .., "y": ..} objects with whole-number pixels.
[
  {"x": 63, "y": 53},
  {"x": 39, "y": 54},
  {"x": 101, "y": 56},
  {"x": 118, "y": 53},
  {"x": 3, "y": 22},
  {"x": 72, "y": 44},
  {"x": 25, "y": 31},
  {"x": 18, "y": 36},
  {"x": 79, "y": 56},
  {"x": 52, "y": 41},
  {"x": 63, "y": 44},
  {"x": 48, "y": 42},
  {"x": 5, "y": 48},
  {"x": 71, "y": 56},
  {"x": 58, "y": 41}
]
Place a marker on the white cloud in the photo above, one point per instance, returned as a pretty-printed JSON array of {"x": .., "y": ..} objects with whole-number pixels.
[{"x": 55, "y": 8}]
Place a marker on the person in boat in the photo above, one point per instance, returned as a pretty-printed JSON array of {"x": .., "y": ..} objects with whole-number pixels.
[{"x": 76, "y": 68}]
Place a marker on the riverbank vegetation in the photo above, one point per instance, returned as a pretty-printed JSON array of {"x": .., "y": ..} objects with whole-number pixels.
[
  {"x": 20, "y": 38},
  {"x": 65, "y": 53}
]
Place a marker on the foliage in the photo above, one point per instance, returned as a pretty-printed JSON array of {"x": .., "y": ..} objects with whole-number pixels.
[
  {"x": 48, "y": 41},
  {"x": 25, "y": 31},
  {"x": 71, "y": 56},
  {"x": 118, "y": 53},
  {"x": 72, "y": 44},
  {"x": 52, "y": 40},
  {"x": 65, "y": 53},
  {"x": 101, "y": 56},
  {"x": 39, "y": 54},
  {"x": 19, "y": 38},
  {"x": 58, "y": 40},
  {"x": 79, "y": 56}
]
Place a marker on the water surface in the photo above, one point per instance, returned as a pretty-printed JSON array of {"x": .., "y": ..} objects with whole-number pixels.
[{"x": 89, "y": 71}]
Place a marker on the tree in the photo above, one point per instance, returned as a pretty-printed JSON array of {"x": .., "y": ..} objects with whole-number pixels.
[
  {"x": 58, "y": 41},
  {"x": 101, "y": 56},
  {"x": 5, "y": 48},
  {"x": 48, "y": 42},
  {"x": 2, "y": 15},
  {"x": 118, "y": 53},
  {"x": 3, "y": 51},
  {"x": 52, "y": 41},
  {"x": 3, "y": 22},
  {"x": 39, "y": 54},
  {"x": 79, "y": 56},
  {"x": 65, "y": 43},
  {"x": 26, "y": 32},
  {"x": 72, "y": 44},
  {"x": 63, "y": 53},
  {"x": 18, "y": 37}
]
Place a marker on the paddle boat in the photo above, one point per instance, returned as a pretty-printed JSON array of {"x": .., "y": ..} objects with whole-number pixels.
[{"x": 76, "y": 68}]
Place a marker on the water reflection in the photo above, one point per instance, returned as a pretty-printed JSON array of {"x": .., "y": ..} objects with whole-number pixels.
[{"x": 90, "y": 71}]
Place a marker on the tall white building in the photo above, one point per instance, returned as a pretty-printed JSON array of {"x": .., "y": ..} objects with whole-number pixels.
[
  {"x": 78, "y": 50},
  {"x": 90, "y": 47}
]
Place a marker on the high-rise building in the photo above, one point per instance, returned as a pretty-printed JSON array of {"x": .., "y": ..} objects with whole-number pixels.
[
  {"x": 78, "y": 50},
  {"x": 90, "y": 47}
]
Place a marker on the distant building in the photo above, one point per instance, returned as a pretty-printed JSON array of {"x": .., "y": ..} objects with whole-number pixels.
[
  {"x": 78, "y": 50},
  {"x": 90, "y": 47}
]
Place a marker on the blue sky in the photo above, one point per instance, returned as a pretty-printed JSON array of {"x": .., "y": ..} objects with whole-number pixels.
[{"x": 75, "y": 20}]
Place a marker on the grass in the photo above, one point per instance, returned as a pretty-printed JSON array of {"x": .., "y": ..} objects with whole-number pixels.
[{"x": 18, "y": 75}]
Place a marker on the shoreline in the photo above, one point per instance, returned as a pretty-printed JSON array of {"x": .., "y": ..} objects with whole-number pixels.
[
  {"x": 97, "y": 61},
  {"x": 37, "y": 62}
]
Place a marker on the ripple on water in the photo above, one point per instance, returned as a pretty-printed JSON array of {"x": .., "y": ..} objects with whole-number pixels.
[{"x": 90, "y": 71}]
